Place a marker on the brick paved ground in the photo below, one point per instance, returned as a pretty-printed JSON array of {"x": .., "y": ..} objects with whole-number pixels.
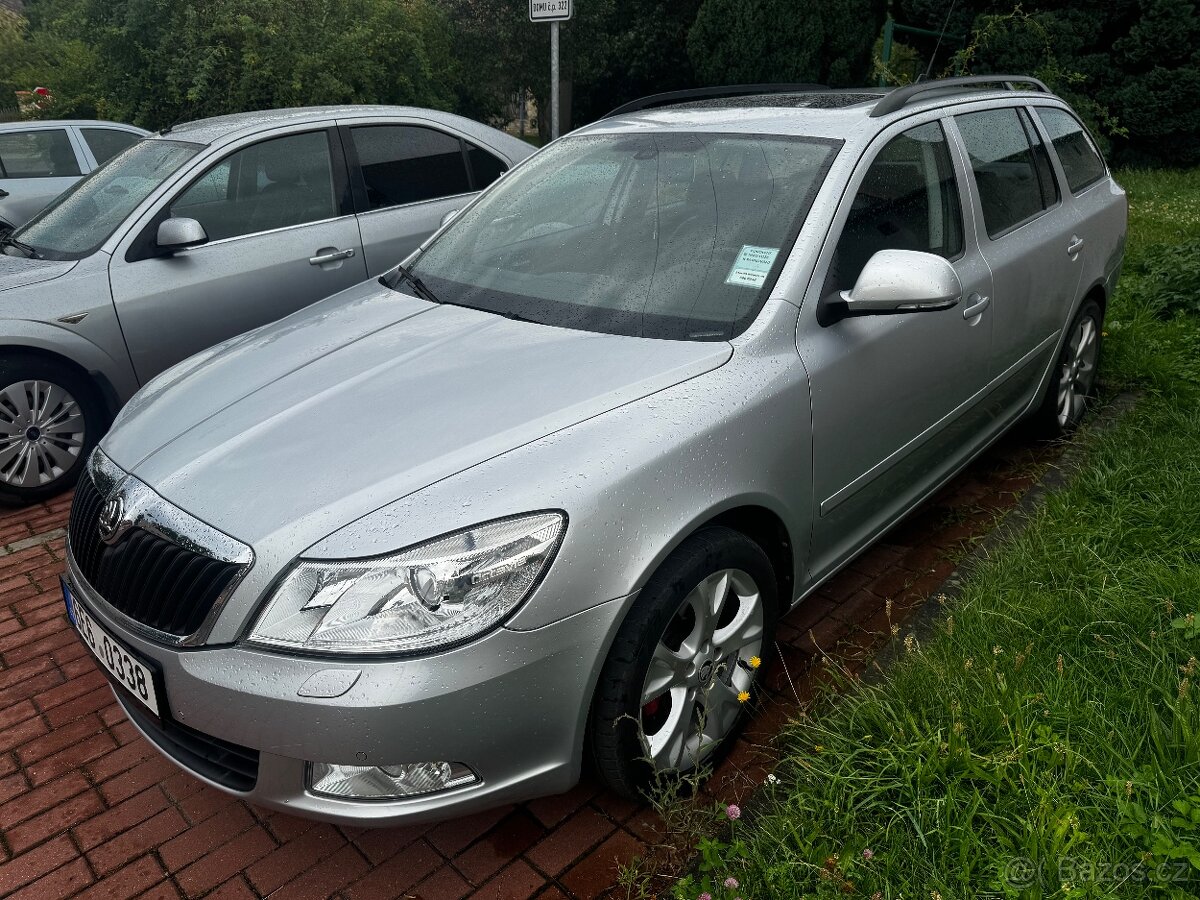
[{"x": 88, "y": 809}]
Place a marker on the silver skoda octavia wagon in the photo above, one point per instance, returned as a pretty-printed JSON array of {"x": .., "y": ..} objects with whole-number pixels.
[{"x": 542, "y": 493}]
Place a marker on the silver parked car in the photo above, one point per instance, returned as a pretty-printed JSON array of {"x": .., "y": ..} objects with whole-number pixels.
[
  {"x": 39, "y": 160},
  {"x": 200, "y": 233},
  {"x": 544, "y": 492}
]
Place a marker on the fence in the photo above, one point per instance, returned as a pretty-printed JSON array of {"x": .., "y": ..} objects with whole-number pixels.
[{"x": 10, "y": 114}]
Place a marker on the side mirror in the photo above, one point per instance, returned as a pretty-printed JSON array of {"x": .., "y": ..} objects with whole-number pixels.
[
  {"x": 448, "y": 217},
  {"x": 178, "y": 234},
  {"x": 901, "y": 281}
]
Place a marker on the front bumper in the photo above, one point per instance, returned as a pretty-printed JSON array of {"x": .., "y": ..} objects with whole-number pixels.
[{"x": 512, "y": 705}]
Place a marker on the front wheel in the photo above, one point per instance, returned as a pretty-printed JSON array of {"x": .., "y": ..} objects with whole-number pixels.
[
  {"x": 50, "y": 418},
  {"x": 1073, "y": 382},
  {"x": 674, "y": 689}
]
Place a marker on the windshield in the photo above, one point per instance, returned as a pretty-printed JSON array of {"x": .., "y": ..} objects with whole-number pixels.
[
  {"x": 677, "y": 236},
  {"x": 83, "y": 217}
]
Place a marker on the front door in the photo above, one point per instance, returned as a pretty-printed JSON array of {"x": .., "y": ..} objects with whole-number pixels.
[
  {"x": 897, "y": 400},
  {"x": 280, "y": 237}
]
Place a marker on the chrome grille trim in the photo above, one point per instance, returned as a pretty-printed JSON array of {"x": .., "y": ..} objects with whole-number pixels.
[{"x": 146, "y": 510}]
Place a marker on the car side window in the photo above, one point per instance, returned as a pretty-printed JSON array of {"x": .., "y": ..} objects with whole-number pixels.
[
  {"x": 44, "y": 153},
  {"x": 105, "y": 143},
  {"x": 908, "y": 200},
  {"x": 406, "y": 164},
  {"x": 1080, "y": 160},
  {"x": 485, "y": 168},
  {"x": 277, "y": 183},
  {"x": 1006, "y": 168}
]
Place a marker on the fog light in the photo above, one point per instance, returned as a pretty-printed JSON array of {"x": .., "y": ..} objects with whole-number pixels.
[{"x": 387, "y": 782}]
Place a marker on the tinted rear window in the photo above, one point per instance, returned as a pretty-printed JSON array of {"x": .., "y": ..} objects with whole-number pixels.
[
  {"x": 1006, "y": 173},
  {"x": 406, "y": 164},
  {"x": 105, "y": 143},
  {"x": 1081, "y": 163}
]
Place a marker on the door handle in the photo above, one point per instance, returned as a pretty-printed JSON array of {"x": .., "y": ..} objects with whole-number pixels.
[
  {"x": 3, "y": 193},
  {"x": 978, "y": 305},
  {"x": 331, "y": 257},
  {"x": 1075, "y": 246}
]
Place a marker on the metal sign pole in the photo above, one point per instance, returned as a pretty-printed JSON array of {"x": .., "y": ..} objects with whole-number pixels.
[
  {"x": 554, "y": 80},
  {"x": 554, "y": 12}
]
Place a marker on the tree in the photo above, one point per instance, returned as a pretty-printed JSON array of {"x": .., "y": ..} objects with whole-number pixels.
[{"x": 751, "y": 41}]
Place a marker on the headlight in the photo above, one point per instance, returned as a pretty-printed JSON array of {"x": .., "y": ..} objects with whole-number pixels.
[{"x": 437, "y": 593}]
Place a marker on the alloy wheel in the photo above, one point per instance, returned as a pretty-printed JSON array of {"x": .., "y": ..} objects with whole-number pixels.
[
  {"x": 702, "y": 670},
  {"x": 1078, "y": 372},
  {"x": 42, "y": 432}
]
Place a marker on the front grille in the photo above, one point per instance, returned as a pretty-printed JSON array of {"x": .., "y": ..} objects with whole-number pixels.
[
  {"x": 148, "y": 578},
  {"x": 229, "y": 765}
]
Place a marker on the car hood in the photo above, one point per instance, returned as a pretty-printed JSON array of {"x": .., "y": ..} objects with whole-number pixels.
[
  {"x": 299, "y": 428},
  {"x": 20, "y": 271}
]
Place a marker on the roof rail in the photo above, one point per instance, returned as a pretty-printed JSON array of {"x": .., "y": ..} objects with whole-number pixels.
[
  {"x": 899, "y": 97},
  {"x": 709, "y": 93}
]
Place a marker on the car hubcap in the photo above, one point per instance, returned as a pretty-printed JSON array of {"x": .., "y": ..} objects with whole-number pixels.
[
  {"x": 1078, "y": 372},
  {"x": 701, "y": 664},
  {"x": 41, "y": 433}
]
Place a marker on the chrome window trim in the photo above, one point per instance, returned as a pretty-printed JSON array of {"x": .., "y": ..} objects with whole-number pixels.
[
  {"x": 416, "y": 203},
  {"x": 147, "y": 510},
  {"x": 219, "y": 242}
]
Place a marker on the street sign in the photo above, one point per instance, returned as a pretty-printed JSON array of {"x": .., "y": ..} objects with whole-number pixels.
[{"x": 549, "y": 10}]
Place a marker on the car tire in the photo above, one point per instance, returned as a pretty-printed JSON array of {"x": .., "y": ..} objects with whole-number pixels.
[
  {"x": 51, "y": 417},
  {"x": 1073, "y": 380},
  {"x": 668, "y": 696}
]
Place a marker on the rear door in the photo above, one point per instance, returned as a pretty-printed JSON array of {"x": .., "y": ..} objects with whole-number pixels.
[
  {"x": 1099, "y": 234},
  {"x": 1027, "y": 235},
  {"x": 406, "y": 177},
  {"x": 281, "y": 235},
  {"x": 36, "y": 165}
]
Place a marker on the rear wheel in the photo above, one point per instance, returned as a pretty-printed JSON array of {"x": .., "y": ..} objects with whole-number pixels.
[
  {"x": 675, "y": 686},
  {"x": 50, "y": 418},
  {"x": 1073, "y": 383}
]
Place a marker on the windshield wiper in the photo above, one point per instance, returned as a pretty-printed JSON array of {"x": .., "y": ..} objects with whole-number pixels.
[
  {"x": 20, "y": 245},
  {"x": 404, "y": 273}
]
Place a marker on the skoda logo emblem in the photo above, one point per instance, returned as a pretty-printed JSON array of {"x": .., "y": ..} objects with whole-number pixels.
[{"x": 110, "y": 518}]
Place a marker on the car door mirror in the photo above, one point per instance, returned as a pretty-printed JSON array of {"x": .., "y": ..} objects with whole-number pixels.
[
  {"x": 448, "y": 217},
  {"x": 180, "y": 233},
  {"x": 901, "y": 281}
]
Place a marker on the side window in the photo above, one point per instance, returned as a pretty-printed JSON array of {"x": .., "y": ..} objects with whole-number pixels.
[
  {"x": 1081, "y": 163},
  {"x": 406, "y": 164},
  {"x": 1006, "y": 173},
  {"x": 273, "y": 184},
  {"x": 45, "y": 153},
  {"x": 1041, "y": 158},
  {"x": 908, "y": 200},
  {"x": 485, "y": 168},
  {"x": 213, "y": 187},
  {"x": 105, "y": 143}
]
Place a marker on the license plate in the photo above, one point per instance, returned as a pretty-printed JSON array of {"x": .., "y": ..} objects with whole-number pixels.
[{"x": 121, "y": 665}]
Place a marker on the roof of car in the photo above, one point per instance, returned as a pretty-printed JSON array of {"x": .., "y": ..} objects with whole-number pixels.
[
  {"x": 206, "y": 131},
  {"x": 814, "y": 111}
]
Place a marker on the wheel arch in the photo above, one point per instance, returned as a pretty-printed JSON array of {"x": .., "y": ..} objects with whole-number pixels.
[
  {"x": 767, "y": 529},
  {"x": 104, "y": 388}
]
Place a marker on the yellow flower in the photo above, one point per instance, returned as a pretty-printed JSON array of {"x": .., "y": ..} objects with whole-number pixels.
[
  {"x": 743, "y": 696},
  {"x": 755, "y": 662}
]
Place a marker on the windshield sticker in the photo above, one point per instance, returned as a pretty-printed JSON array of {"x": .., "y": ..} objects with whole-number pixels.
[{"x": 751, "y": 266}]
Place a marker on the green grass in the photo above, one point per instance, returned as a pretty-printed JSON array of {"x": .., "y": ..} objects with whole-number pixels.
[{"x": 1046, "y": 743}]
